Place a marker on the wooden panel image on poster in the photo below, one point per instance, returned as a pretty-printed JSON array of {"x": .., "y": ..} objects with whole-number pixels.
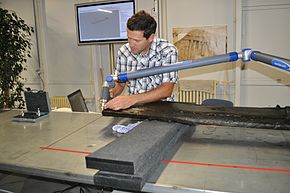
[{"x": 198, "y": 42}]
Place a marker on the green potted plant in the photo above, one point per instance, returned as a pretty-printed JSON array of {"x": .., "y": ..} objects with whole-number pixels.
[{"x": 15, "y": 47}]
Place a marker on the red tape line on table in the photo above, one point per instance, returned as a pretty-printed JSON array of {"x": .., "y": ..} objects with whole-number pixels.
[
  {"x": 227, "y": 166},
  {"x": 65, "y": 150},
  {"x": 184, "y": 162}
]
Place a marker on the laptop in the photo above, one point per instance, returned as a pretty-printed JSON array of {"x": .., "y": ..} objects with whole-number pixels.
[
  {"x": 37, "y": 106},
  {"x": 77, "y": 101}
]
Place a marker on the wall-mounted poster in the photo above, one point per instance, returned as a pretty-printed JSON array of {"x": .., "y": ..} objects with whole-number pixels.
[{"x": 198, "y": 42}]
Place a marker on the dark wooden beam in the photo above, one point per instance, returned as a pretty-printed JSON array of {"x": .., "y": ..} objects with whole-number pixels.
[{"x": 187, "y": 113}]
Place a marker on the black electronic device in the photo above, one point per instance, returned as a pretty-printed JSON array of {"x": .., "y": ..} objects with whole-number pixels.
[
  {"x": 37, "y": 107},
  {"x": 103, "y": 22},
  {"x": 77, "y": 101},
  {"x": 37, "y": 101}
]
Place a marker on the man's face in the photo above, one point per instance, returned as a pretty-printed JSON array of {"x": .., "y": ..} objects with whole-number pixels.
[{"x": 138, "y": 43}]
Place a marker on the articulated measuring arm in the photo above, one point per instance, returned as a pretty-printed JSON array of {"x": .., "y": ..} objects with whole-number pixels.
[{"x": 247, "y": 55}]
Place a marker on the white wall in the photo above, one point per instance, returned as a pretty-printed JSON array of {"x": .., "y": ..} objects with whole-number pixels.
[
  {"x": 24, "y": 9},
  {"x": 198, "y": 13},
  {"x": 266, "y": 28},
  {"x": 71, "y": 66}
]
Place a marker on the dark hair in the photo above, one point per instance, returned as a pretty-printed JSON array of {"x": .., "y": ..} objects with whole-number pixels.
[{"x": 142, "y": 21}]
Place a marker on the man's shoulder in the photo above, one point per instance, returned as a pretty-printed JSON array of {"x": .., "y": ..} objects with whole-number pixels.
[
  {"x": 164, "y": 45},
  {"x": 162, "y": 42},
  {"x": 124, "y": 47},
  {"x": 125, "y": 50}
]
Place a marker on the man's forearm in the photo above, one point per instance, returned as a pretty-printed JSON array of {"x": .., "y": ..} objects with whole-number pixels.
[{"x": 124, "y": 102}]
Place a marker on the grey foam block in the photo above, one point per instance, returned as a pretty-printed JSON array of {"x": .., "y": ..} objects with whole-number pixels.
[
  {"x": 136, "y": 182},
  {"x": 134, "y": 150}
]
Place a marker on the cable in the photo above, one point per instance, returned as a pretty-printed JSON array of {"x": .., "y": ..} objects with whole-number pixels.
[
  {"x": 82, "y": 189},
  {"x": 7, "y": 183},
  {"x": 5, "y": 191},
  {"x": 86, "y": 188},
  {"x": 66, "y": 189}
]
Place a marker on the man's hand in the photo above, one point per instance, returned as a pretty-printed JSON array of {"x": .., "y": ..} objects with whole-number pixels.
[
  {"x": 120, "y": 102},
  {"x": 124, "y": 102}
]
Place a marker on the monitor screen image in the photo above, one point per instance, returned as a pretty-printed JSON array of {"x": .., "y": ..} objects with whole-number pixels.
[{"x": 103, "y": 22}]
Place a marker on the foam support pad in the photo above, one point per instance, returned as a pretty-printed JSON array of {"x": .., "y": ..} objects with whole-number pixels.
[
  {"x": 129, "y": 161},
  {"x": 131, "y": 152}
]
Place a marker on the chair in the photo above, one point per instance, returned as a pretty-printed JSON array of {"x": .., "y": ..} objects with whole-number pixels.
[
  {"x": 217, "y": 103},
  {"x": 195, "y": 91},
  {"x": 59, "y": 102},
  {"x": 77, "y": 101}
]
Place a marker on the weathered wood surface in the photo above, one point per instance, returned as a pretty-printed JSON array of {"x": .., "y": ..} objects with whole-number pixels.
[{"x": 186, "y": 113}]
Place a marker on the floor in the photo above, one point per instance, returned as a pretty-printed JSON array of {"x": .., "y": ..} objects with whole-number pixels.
[{"x": 12, "y": 183}]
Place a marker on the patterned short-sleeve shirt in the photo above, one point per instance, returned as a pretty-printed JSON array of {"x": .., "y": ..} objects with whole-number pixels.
[{"x": 161, "y": 53}]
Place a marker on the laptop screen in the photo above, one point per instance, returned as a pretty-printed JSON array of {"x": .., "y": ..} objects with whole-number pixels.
[{"x": 77, "y": 101}]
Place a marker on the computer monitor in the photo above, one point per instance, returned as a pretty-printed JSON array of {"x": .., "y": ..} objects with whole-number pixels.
[
  {"x": 103, "y": 22},
  {"x": 77, "y": 101}
]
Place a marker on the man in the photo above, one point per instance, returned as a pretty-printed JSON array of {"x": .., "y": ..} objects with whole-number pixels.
[{"x": 142, "y": 51}]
